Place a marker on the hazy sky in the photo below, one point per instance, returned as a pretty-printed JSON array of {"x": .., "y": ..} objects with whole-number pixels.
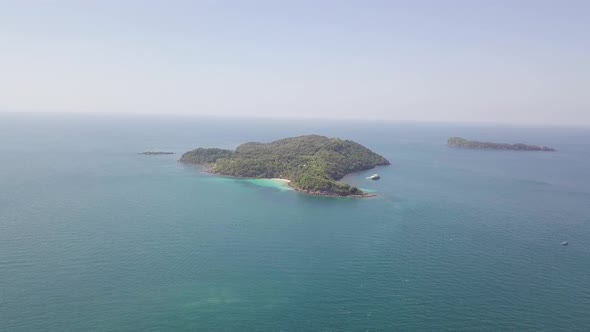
[{"x": 475, "y": 61}]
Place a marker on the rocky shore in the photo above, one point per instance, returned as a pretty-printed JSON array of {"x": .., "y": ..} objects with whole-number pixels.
[
  {"x": 329, "y": 194},
  {"x": 208, "y": 168}
]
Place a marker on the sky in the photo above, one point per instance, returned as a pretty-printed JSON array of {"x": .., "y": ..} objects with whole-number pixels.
[{"x": 501, "y": 61}]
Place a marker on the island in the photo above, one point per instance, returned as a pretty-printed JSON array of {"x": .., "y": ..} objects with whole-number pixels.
[
  {"x": 312, "y": 164},
  {"x": 458, "y": 142},
  {"x": 149, "y": 153}
]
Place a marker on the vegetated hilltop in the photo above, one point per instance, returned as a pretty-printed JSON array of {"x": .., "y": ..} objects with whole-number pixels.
[
  {"x": 458, "y": 142},
  {"x": 313, "y": 163}
]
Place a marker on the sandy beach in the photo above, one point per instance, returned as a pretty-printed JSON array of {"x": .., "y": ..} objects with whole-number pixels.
[{"x": 282, "y": 180}]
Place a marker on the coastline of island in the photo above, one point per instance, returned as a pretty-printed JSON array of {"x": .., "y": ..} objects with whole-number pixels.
[
  {"x": 327, "y": 194},
  {"x": 318, "y": 193},
  {"x": 208, "y": 170},
  {"x": 309, "y": 164}
]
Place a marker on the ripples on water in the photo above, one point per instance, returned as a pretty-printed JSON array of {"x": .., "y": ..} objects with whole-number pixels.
[{"x": 96, "y": 237}]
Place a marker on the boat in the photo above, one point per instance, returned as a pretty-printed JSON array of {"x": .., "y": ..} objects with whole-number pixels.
[
  {"x": 564, "y": 243},
  {"x": 374, "y": 177}
]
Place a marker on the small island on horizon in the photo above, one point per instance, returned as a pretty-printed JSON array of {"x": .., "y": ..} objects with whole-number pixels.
[
  {"x": 458, "y": 142},
  {"x": 151, "y": 153},
  {"x": 312, "y": 164}
]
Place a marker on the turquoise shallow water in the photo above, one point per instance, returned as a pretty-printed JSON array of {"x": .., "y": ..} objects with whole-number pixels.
[{"x": 96, "y": 237}]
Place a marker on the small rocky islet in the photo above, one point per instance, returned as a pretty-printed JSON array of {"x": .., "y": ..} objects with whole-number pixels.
[
  {"x": 459, "y": 142},
  {"x": 312, "y": 163},
  {"x": 155, "y": 153}
]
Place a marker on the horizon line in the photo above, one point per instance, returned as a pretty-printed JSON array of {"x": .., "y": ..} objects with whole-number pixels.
[{"x": 298, "y": 118}]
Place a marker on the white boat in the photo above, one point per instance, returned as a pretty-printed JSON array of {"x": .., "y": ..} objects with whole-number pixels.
[
  {"x": 564, "y": 243},
  {"x": 374, "y": 177}
]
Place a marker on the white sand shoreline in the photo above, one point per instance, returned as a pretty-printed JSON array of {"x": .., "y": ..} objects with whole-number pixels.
[{"x": 282, "y": 180}]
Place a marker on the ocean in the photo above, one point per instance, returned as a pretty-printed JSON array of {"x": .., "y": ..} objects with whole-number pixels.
[{"x": 95, "y": 237}]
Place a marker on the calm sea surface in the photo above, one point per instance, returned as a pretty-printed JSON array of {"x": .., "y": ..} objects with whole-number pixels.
[{"x": 94, "y": 237}]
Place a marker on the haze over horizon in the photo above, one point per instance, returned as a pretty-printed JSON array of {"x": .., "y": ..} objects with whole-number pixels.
[{"x": 521, "y": 62}]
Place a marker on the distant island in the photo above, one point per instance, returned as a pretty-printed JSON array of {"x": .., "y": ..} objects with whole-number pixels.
[
  {"x": 312, "y": 163},
  {"x": 155, "y": 152},
  {"x": 458, "y": 142}
]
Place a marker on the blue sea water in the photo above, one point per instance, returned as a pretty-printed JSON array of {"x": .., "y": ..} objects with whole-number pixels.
[{"x": 94, "y": 237}]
